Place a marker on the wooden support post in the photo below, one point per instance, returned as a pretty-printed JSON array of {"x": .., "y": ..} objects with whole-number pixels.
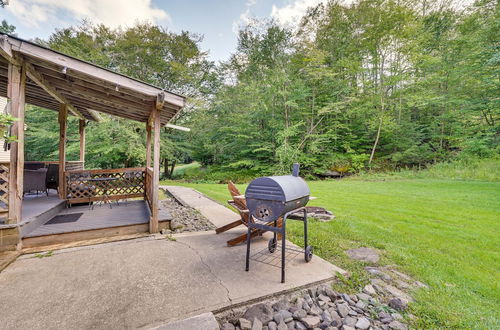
[
  {"x": 153, "y": 223},
  {"x": 81, "y": 129},
  {"x": 63, "y": 115},
  {"x": 16, "y": 95},
  {"x": 148, "y": 143}
]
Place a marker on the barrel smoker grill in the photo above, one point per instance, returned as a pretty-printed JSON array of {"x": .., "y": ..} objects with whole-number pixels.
[{"x": 274, "y": 197}]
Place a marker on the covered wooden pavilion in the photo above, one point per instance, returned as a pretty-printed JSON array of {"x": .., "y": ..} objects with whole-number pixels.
[{"x": 32, "y": 74}]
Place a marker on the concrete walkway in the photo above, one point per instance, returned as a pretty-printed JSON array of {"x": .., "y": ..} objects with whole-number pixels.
[{"x": 143, "y": 283}]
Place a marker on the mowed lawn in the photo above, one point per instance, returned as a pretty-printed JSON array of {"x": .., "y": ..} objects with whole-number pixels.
[{"x": 444, "y": 233}]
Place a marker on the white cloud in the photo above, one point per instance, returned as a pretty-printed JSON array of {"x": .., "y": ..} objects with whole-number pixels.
[
  {"x": 111, "y": 13},
  {"x": 245, "y": 17},
  {"x": 293, "y": 11}
]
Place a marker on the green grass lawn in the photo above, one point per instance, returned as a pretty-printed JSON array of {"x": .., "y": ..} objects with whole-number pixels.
[{"x": 444, "y": 233}]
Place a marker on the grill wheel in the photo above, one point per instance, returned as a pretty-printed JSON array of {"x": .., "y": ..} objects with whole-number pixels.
[
  {"x": 308, "y": 253},
  {"x": 271, "y": 245}
]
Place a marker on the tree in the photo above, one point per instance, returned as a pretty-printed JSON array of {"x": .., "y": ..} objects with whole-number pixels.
[{"x": 7, "y": 28}]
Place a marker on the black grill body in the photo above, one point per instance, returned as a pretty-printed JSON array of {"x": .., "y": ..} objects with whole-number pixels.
[
  {"x": 268, "y": 198},
  {"x": 273, "y": 197}
]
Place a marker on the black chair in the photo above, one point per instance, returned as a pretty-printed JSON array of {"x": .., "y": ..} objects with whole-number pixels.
[{"x": 52, "y": 177}]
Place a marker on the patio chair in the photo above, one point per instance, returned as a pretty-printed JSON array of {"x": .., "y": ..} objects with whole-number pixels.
[
  {"x": 239, "y": 204},
  {"x": 52, "y": 177},
  {"x": 34, "y": 180}
]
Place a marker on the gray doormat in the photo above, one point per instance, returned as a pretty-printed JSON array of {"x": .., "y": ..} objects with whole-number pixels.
[{"x": 71, "y": 217}]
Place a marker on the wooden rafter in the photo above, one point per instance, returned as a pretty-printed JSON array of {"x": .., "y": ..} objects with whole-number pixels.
[{"x": 46, "y": 86}]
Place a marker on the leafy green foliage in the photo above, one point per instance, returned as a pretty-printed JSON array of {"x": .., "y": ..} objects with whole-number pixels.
[
  {"x": 146, "y": 52},
  {"x": 379, "y": 84}
]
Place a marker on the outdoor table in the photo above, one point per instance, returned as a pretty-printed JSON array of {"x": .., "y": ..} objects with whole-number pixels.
[{"x": 103, "y": 184}]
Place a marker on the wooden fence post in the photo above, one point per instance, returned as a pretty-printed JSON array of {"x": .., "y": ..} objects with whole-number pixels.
[
  {"x": 81, "y": 129},
  {"x": 63, "y": 115},
  {"x": 153, "y": 224},
  {"x": 16, "y": 95}
]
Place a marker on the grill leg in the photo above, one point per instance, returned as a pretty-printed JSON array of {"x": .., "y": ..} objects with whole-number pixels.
[
  {"x": 249, "y": 234},
  {"x": 274, "y": 233},
  {"x": 305, "y": 228},
  {"x": 283, "y": 249}
]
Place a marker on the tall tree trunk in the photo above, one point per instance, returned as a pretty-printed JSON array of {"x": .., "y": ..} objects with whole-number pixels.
[{"x": 376, "y": 141}]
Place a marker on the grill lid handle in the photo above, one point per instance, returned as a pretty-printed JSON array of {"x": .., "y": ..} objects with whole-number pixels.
[{"x": 295, "y": 171}]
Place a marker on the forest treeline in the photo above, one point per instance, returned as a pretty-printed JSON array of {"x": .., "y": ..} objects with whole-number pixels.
[{"x": 375, "y": 84}]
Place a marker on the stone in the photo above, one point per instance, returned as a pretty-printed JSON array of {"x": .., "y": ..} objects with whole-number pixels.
[
  {"x": 324, "y": 325},
  {"x": 396, "y": 325},
  {"x": 282, "y": 326},
  {"x": 262, "y": 312},
  {"x": 360, "y": 304},
  {"x": 330, "y": 293},
  {"x": 421, "y": 285},
  {"x": 363, "y": 297},
  {"x": 398, "y": 304},
  {"x": 291, "y": 325},
  {"x": 364, "y": 254},
  {"x": 308, "y": 299},
  {"x": 324, "y": 298},
  {"x": 281, "y": 305},
  {"x": 257, "y": 324},
  {"x": 332, "y": 328},
  {"x": 343, "y": 310},
  {"x": 311, "y": 321},
  {"x": 315, "y": 310},
  {"x": 245, "y": 324},
  {"x": 312, "y": 292},
  {"x": 299, "y": 302},
  {"x": 299, "y": 314},
  {"x": 370, "y": 290},
  {"x": 377, "y": 272},
  {"x": 382, "y": 315},
  {"x": 306, "y": 307},
  {"x": 363, "y": 323},
  {"x": 325, "y": 316},
  {"x": 397, "y": 316},
  {"x": 272, "y": 325},
  {"x": 386, "y": 320},
  {"x": 287, "y": 316},
  {"x": 300, "y": 326},
  {"x": 278, "y": 318},
  {"x": 227, "y": 326},
  {"x": 265, "y": 327},
  {"x": 349, "y": 321},
  {"x": 346, "y": 327}
]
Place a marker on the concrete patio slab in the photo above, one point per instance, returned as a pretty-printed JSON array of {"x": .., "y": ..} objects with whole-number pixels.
[
  {"x": 140, "y": 283},
  {"x": 145, "y": 282}
]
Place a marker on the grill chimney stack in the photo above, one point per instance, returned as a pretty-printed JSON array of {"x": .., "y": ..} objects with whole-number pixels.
[{"x": 295, "y": 171}]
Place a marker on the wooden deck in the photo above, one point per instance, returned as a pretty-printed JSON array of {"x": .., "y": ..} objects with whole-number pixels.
[{"x": 102, "y": 216}]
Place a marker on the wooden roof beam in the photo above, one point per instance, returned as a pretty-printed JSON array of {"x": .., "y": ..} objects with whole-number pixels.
[
  {"x": 74, "y": 64},
  {"x": 6, "y": 51},
  {"x": 46, "y": 86}
]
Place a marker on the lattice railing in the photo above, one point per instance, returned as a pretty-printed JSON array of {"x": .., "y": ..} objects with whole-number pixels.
[
  {"x": 93, "y": 185},
  {"x": 4, "y": 188},
  {"x": 148, "y": 186}
]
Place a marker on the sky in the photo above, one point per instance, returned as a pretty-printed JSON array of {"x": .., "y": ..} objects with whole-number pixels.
[{"x": 216, "y": 20}]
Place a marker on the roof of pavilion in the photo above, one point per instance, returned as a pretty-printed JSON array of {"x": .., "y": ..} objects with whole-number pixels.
[{"x": 54, "y": 78}]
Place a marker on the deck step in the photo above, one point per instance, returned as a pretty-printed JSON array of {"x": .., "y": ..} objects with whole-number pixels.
[{"x": 35, "y": 221}]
